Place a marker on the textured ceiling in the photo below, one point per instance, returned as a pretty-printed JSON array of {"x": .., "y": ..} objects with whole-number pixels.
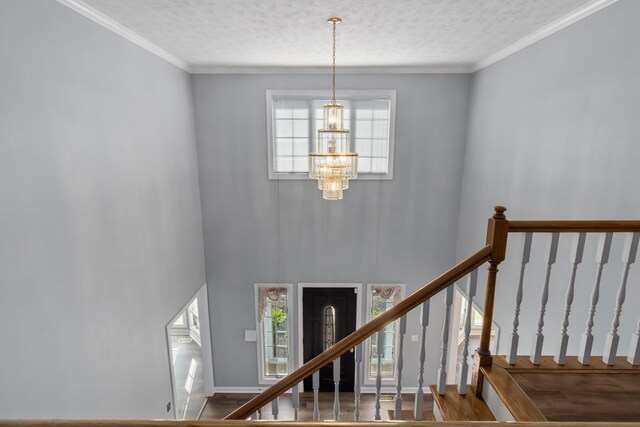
[{"x": 295, "y": 33}]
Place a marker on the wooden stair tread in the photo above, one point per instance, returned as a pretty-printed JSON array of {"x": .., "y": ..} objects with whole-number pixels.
[
  {"x": 515, "y": 399},
  {"x": 583, "y": 396},
  {"x": 455, "y": 407},
  {"x": 571, "y": 365},
  {"x": 569, "y": 392},
  {"x": 408, "y": 415}
]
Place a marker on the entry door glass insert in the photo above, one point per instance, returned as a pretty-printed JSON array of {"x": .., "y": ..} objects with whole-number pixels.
[{"x": 329, "y": 326}]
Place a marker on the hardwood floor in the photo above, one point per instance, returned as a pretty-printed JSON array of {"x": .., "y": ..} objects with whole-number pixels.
[
  {"x": 583, "y": 396},
  {"x": 573, "y": 391},
  {"x": 221, "y": 404}
]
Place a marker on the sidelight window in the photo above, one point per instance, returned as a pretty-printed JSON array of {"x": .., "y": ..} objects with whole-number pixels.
[
  {"x": 273, "y": 327},
  {"x": 380, "y": 299}
]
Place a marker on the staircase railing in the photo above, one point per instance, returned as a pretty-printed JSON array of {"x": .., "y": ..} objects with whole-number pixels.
[
  {"x": 341, "y": 347},
  {"x": 494, "y": 253},
  {"x": 580, "y": 230}
]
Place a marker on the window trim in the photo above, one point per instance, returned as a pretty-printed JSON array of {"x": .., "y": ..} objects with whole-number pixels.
[
  {"x": 308, "y": 94},
  {"x": 262, "y": 378},
  {"x": 367, "y": 380}
]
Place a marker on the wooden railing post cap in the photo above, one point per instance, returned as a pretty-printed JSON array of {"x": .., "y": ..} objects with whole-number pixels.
[
  {"x": 499, "y": 212},
  {"x": 497, "y": 231}
]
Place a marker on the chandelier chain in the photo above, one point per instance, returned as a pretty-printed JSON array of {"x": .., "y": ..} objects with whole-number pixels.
[{"x": 334, "y": 64}]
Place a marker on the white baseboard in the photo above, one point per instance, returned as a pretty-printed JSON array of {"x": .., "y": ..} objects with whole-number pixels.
[
  {"x": 257, "y": 389},
  {"x": 368, "y": 389},
  {"x": 237, "y": 390},
  {"x": 364, "y": 390}
]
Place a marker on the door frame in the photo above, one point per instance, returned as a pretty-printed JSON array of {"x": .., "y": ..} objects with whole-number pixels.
[{"x": 301, "y": 286}]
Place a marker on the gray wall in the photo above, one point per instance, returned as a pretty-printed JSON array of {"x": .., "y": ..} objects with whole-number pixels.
[
  {"x": 553, "y": 134},
  {"x": 257, "y": 230},
  {"x": 101, "y": 242},
  {"x": 100, "y": 221}
]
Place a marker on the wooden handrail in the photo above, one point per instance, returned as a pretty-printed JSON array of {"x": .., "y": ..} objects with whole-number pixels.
[
  {"x": 257, "y": 423},
  {"x": 403, "y": 307},
  {"x": 570, "y": 226}
]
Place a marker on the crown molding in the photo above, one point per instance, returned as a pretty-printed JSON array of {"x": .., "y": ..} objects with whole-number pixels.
[
  {"x": 256, "y": 69},
  {"x": 102, "y": 19},
  {"x": 543, "y": 32}
]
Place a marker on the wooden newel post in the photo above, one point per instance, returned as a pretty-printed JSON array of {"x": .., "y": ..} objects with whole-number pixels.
[{"x": 497, "y": 233}]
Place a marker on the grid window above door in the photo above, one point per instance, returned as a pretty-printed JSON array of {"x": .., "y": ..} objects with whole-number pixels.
[
  {"x": 294, "y": 118},
  {"x": 291, "y": 136}
]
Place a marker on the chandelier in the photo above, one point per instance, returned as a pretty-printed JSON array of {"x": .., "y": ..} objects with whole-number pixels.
[{"x": 333, "y": 163}]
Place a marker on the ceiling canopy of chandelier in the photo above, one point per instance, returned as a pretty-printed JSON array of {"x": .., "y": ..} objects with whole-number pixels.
[{"x": 333, "y": 163}]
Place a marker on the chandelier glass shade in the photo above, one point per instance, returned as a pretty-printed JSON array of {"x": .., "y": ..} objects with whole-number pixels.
[{"x": 333, "y": 163}]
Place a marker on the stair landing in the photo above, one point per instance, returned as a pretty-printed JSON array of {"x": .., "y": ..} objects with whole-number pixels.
[{"x": 572, "y": 392}]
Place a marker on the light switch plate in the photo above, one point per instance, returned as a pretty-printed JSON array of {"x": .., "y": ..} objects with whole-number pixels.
[
  {"x": 250, "y": 335},
  {"x": 414, "y": 338}
]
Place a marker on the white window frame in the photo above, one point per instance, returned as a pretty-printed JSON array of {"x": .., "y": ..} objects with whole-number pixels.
[
  {"x": 263, "y": 379},
  {"x": 367, "y": 347},
  {"x": 320, "y": 94}
]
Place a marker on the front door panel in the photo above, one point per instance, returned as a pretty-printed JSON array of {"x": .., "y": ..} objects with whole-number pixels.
[{"x": 321, "y": 307}]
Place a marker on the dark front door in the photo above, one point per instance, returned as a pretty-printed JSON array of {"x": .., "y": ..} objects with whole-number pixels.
[{"x": 329, "y": 314}]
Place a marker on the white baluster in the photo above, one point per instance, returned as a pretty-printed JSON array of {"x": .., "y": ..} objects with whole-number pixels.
[
  {"x": 275, "y": 407},
  {"x": 380, "y": 352},
  {"x": 602, "y": 258},
  {"x": 634, "y": 348},
  {"x": 295, "y": 400},
  {"x": 577, "y": 249},
  {"x": 336, "y": 393},
  {"x": 628, "y": 258},
  {"x": 464, "y": 363},
  {"x": 316, "y": 388},
  {"x": 402, "y": 329},
  {"x": 356, "y": 389},
  {"x": 538, "y": 340},
  {"x": 419, "y": 399},
  {"x": 442, "y": 370},
  {"x": 515, "y": 337}
]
